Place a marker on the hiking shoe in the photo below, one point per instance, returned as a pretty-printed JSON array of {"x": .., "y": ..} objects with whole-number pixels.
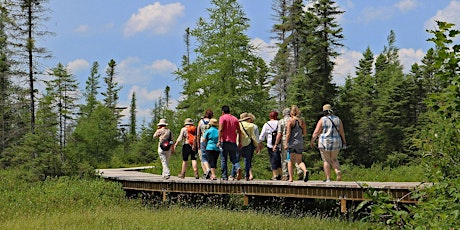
[
  {"x": 274, "y": 178},
  {"x": 285, "y": 178},
  {"x": 166, "y": 177},
  {"x": 181, "y": 175},
  {"x": 197, "y": 176},
  {"x": 230, "y": 178},
  {"x": 305, "y": 178},
  {"x": 327, "y": 180}
]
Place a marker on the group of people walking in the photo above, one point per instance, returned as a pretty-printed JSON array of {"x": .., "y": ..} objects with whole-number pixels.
[{"x": 231, "y": 138}]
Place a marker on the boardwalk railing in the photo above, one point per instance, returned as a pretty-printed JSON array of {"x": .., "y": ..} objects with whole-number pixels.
[{"x": 134, "y": 180}]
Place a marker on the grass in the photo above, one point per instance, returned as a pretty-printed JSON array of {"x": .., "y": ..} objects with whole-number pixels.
[{"x": 68, "y": 203}]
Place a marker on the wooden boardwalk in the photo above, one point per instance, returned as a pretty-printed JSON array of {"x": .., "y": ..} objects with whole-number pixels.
[{"x": 134, "y": 180}]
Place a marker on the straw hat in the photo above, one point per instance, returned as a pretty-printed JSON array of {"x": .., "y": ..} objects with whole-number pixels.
[
  {"x": 244, "y": 116},
  {"x": 327, "y": 109},
  {"x": 213, "y": 122},
  {"x": 252, "y": 117},
  {"x": 188, "y": 121},
  {"x": 162, "y": 122}
]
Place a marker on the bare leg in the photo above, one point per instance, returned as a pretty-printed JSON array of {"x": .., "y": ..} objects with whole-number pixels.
[{"x": 327, "y": 170}]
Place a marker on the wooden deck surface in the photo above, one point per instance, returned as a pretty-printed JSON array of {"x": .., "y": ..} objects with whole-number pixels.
[
  {"x": 134, "y": 174},
  {"x": 134, "y": 180}
]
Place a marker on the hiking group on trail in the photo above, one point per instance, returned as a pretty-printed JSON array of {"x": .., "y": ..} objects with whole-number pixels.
[{"x": 230, "y": 138}]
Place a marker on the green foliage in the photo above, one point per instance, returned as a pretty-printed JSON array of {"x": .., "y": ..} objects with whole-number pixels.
[
  {"x": 226, "y": 70},
  {"x": 438, "y": 141},
  {"x": 95, "y": 138},
  {"x": 69, "y": 203}
]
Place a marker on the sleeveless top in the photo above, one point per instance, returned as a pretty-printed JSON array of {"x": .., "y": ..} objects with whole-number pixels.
[
  {"x": 330, "y": 139},
  {"x": 296, "y": 138}
]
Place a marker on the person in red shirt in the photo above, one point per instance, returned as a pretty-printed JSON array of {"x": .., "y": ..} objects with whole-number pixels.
[{"x": 229, "y": 130}]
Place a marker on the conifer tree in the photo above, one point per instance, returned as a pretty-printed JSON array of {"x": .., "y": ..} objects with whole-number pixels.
[
  {"x": 28, "y": 16},
  {"x": 225, "y": 70},
  {"x": 63, "y": 89}
]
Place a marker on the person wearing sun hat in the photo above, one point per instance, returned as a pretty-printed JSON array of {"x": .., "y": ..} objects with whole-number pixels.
[
  {"x": 331, "y": 138},
  {"x": 187, "y": 135},
  {"x": 211, "y": 137},
  {"x": 250, "y": 141},
  {"x": 163, "y": 133}
]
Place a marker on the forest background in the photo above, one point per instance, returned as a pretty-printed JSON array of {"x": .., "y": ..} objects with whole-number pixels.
[{"x": 390, "y": 118}]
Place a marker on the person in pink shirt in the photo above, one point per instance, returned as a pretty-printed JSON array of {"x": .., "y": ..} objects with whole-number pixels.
[{"x": 229, "y": 130}]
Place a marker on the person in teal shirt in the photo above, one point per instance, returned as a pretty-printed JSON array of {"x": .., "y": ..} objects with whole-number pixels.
[{"x": 211, "y": 137}]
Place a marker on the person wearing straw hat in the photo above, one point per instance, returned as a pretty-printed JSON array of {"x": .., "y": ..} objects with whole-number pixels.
[
  {"x": 163, "y": 134},
  {"x": 331, "y": 138},
  {"x": 250, "y": 141},
  {"x": 187, "y": 135},
  {"x": 211, "y": 137}
]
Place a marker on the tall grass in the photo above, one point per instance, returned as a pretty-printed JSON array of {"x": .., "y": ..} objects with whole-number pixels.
[{"x": 68, "y": 203}]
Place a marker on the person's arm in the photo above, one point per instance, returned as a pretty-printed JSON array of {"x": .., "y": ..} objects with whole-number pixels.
[
  {"x": 304, "y": 127},
  {"x": 240, "y": 136},
  {"x": 316, "y": 133},
  {"x": 279, "y": 135},
  {"x": 198, "y": 135},
  {"x": 180, "y": 137},
  {"x": 288, "y": 133},
  {"x": 342, "y": 134},
  {"x": 220, "y": 134}
]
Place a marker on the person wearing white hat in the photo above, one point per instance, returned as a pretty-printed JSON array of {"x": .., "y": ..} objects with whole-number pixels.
[
  {"x": 331, "y": 138},
  {"x": 165, "y": 146}
]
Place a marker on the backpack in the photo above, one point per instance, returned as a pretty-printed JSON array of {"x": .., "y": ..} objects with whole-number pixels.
[
  {"x": 205, "y": 126},
  {"x": 274, "y": 133},
  {"x": 191, "y": 134},
  {"x": 166, "y": 143}
]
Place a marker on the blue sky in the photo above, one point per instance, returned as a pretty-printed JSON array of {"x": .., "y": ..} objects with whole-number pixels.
[{"x": 145, "y": 38}]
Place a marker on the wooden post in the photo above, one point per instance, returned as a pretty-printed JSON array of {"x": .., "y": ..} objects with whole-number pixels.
[
  {"x": 246, "y": 200},
  {"x": 343, "y": 205},
  {"x": 165, "y": 196}
]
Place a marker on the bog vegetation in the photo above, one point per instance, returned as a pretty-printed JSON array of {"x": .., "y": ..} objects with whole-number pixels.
[{"x": 394, "y": 121}]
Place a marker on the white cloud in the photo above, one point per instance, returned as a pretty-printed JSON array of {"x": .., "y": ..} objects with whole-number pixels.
[
  {"x": 266, "y": 51},
  {"x": 130, "y": 71},
  {"x": 406, "y": 5},
  {"x": 162, "y": 67},
  {"x": 82, "y": 29},
  {"x": 448, "y": 14},
  {"x": 77, "y": 65},
  {"x": 156, "y": 18},
  {"x": 409, "y": 56},
  {"x": 345, "y": 65}
]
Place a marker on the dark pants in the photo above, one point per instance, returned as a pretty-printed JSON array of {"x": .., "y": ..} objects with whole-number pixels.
[
  {"x": 275, "y": 158},
  {"x": 212, "y": 156},
  {"x": 229, "y": 150},
  {"x": 247, "y": 152},
  {"x": 187, "y": 151}
]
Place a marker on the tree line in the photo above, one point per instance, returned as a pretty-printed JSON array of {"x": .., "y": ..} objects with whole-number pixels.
[{"x": 385, "y": 111}]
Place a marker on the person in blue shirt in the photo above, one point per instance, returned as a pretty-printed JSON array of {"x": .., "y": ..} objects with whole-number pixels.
[{"x": 211, "y": 137}]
